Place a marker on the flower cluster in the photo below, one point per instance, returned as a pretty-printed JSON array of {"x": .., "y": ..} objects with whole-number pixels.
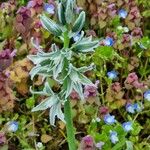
[
  {"x": 23, "y": 21},
  {"x": 132, "y": 81},
  {"x": 132, "y": 108}
]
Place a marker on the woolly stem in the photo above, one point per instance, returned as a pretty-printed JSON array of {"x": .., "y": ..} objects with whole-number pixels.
[
  {"x": 67, "y": 108},
  {"x": 69, "y": 126}
]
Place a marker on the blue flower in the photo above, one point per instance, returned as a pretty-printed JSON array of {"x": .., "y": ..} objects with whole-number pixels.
[
  {"x": 108, "y": 119},
  {"x": 99, "y": 145},
  {"x": 127, "y": 126},
  {"x": 114, "y": 137},
  {"x": 76, "y": 37},
  {"x": 130, "y": 108},
  {"x": 112, "y": 74},
  {"x": 108, "y": 41},
  {"x": 138, "y": 107},
  {"x": 122, "y": 13},
  {"x": 49, "y": 8},
  {"x": 147, "y": 95},
  {"x": 12, "y": 126}
]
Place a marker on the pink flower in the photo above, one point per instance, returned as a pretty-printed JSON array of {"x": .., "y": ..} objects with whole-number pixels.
[
  {"x": 87, "y": 143},
  {"x": 104, "y": 110},
  {"x": 132, "y": 77},
  {"x": 132, "y": 80},
  {"x": 116, "y": 87},
  {"x": 137, "y": 32},
  {"x": 6, "y": 57},
  {"x": 2, "y": 138},
  {"x": 91, "y": 91},
  {"x": 74, "y": 95}
]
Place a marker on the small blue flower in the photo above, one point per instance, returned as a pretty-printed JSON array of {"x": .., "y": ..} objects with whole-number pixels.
[
  {"x": 138, "y": 107},
  {"x": 12, "y": 126},
  {"x": 109, "y": 41},
  {"x": 112, "y": 74},
  {"x": 76, "y": 37},
  {"x": 147, "y": 95},
  {"x": 49, "y": 8},
  {"x": 99, "y": 145},
  {"x": 130, "y": 108},
  {"x": 127, "y": 126},
  {"x": 108, "y": 119},
  {"x": 122, "y": 13},
  {"x": 114, "y": 137}
]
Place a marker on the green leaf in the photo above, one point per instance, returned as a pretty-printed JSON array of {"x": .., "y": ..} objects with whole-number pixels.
[
  {"x": 47, "y": 103},
  {"x": 78, "y": 88},
  {"x": 119, "y": 145},
  {"x": 129, "y": 145},
  {"x": 30, "y": 102},
  {"x": 69, "y": 15},
  {"x": 61, "y": 14},
  {"x": 105, "y": 52},
  {"x": 84, "y": 69},
  {"x": 84, "y": 80},
  {"x": 47, "y": 89},
  {"x": 79, "y": 23},
  {"x": 55, "y": 110},
  {"x": 69, "y": 87},
  {"x": 50, "y": 25},
  {"x": 85, "y": 47}
]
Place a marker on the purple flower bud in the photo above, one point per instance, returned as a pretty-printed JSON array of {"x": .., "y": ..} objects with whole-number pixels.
[
  {"x": 127, "y": 126},
  {"x": 49, "y": 8},
  {"x": 114, "y": 137},
  {"x": 122, "y": 13},
  {"x": 108, "y": 119}
]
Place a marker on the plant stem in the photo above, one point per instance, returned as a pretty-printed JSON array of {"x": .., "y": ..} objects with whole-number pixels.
[
  {"x": 67, "y": 108},
  {"x": 69, "y": 126}
]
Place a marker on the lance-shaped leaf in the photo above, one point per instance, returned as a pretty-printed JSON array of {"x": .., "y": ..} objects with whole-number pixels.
[
  {"x": 47, "y": 91},
  {"x": 38, "y": 92},
  {"x": 47, "y": 103},
  {"x": 36, "y": 59},
  {"x": 41, "y": 70},
  {"x": 75, "y": 80},
  {"x": 55, "y": 111},
  {"x": 85, "y": 45},
  {"x": 68, "y": 87},
  {"x": 84, "y": 69},
  {"x": 61, "y": 13},
  {"x": 77, "y": 86},
  {"x": 58, "y": 68},
  {"x": 79, "y": 23},
  {"x": 69, "y": 15},
  {"x": 50, "y": 25}
]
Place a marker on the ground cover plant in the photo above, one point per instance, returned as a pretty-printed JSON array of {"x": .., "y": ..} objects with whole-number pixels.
[{"x": 74, "y": 75}]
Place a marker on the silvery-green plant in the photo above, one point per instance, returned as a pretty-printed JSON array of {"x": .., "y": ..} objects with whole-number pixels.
[{"x": 57, "y": 64}]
